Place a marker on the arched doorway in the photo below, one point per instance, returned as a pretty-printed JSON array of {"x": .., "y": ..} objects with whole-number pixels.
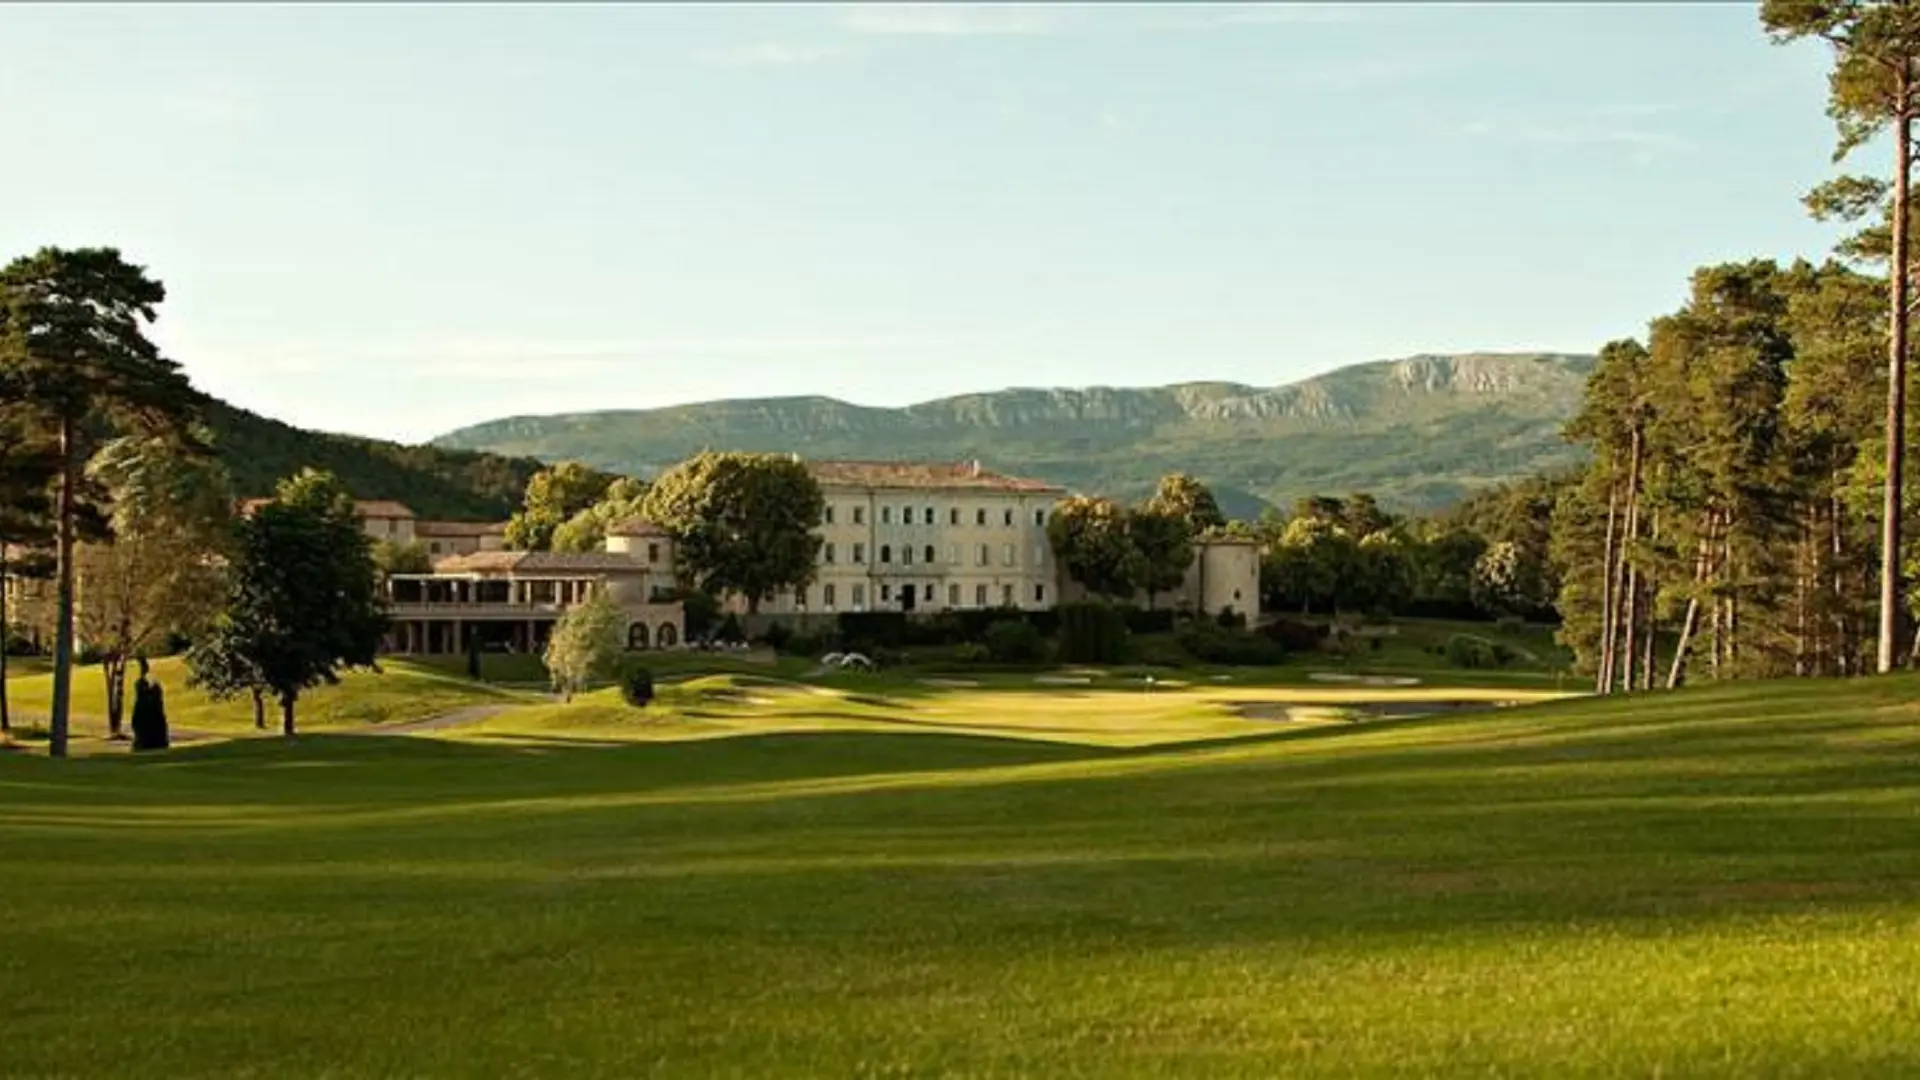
[
  {"x": 669, "y": 635},
  {"x": 636, "y": 637}
]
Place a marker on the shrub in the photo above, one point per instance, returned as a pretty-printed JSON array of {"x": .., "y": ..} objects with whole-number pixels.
[
  {"x": 776, "y": 636},
  {"x": 1015, "y": 641},
  {"x": 1212, "y": 643},
  {"x": 1143, "y": 621},
  {"x": 942, "y": 629},
  {"x": 1092, "y": 634},
  {"x": 1229, "y": 619},
  {"x": 636, "y": 685},
  {"x": 1469, "y": 651},
  {"x": 1510, "y": 624},
  {"x": 803, "y": 644},
  {"x": 701, "y": 611},
  {"x": 1159, "y": 650},
  {"x": 729, "y": 629},
  {"x": 971, "y": 652},
  {"x": 1295, "y": 636},
  {"x": 873, "y": 629}
]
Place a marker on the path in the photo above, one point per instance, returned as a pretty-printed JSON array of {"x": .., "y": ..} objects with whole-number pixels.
[{"x": 472, "y": 714}]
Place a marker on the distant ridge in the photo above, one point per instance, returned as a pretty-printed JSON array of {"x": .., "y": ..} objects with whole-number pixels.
[{"x": 1419, "y": 431}]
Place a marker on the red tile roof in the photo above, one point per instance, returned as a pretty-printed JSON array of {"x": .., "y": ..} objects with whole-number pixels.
[
  {"x": 539, "y": 562},
  {"x": 941, "y": 475},
  {"x": 635, "y": 527},
  {"x": 366, "y": 508},
  {"x": 460, "y": 528}
]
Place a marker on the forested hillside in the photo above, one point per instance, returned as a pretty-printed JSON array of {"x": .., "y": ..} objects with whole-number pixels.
[{"x": 435, "y": 482}]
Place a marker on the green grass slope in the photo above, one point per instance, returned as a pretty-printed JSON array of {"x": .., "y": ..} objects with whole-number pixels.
[
  {"x": 1717, "y": 883},
  {"x": 1419, "y": 432}
]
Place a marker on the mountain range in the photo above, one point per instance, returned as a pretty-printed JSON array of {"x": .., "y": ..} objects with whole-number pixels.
[{"x": 1417, "y": 432}]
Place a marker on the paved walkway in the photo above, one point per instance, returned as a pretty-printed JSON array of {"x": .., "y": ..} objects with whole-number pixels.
[{"x": 472, "y": 714}]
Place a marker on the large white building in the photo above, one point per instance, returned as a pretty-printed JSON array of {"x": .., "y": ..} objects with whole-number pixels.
[{"x": 919, "y": 537}]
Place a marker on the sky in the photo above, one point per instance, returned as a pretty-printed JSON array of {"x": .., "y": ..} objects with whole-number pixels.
[{"x": 395, "y": 220}]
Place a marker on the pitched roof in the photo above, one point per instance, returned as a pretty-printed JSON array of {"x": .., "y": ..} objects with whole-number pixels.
[
  {"x": 539, "y": 562},
  {"x": 366, "y": 508},
  {"x": 937, "y": 475},
  {"x": 459, "y": 528},
  {"x": 635, "y": 527}
]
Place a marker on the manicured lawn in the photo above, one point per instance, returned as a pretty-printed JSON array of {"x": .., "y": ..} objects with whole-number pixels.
[
  {"x": 401, "y": 691},
  {"x": 1723, "y": 882}
]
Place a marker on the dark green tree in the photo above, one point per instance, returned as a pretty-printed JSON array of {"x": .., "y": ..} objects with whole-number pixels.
[
  {"x": 1876, "y": 61},
  {"x": 1092, "y": 539},
  {"x": 1163, "y": 550},
  {"x": 76, "y": 364},
  {"x": 741, "y": 523},
  {"x": 27, "y": 469},
  {"x": 303, "y": 600}
]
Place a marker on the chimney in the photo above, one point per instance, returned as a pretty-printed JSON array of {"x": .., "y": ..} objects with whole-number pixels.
[{"x": 976, "y": 468}]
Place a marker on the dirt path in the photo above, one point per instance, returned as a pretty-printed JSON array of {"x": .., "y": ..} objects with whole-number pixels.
[{"x": 472, "y": 714}]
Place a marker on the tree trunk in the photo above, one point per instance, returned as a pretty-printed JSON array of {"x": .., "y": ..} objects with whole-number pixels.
[
  {"x": 1608, "y": 594},
  {"x": 1629, "y": 613},
  {"x": 1630, "y": 570},
  {"x": 259, "y": 710},
  {"x": 63, "y": 595},
  {"x": 1678, "y": 672},
  {"x": 113, "y": 669},
  {"x": 6, "y": 717},
  {"x": 1842, "y": 625},
  {"x": 286, "y": 715},
  {"x": 1646, "y": 646},
  {"x": 1891, "y": 593}
]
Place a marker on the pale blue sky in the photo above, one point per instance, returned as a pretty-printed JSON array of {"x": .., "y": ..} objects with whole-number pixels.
[{"x": 395, "y": 220}]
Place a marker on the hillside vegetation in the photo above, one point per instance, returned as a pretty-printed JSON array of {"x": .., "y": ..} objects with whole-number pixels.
[
  {"x": 1713, "y": 883},
  {"x": 1417, "y": 432},
  {"x": 433, "y": 481}
]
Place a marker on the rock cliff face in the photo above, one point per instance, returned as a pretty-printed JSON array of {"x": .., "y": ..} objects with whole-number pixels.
[{"x": 1417, "y": 431}]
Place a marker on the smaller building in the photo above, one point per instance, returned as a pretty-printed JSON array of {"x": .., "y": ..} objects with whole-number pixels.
[
  {"x": 460, "y": 537},
  {"x": 510, "y": 601},
  {"x": 1224, "y": 576}
]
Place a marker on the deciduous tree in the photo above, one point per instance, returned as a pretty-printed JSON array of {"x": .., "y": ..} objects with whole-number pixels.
[
  {"x": 159, "y": 574},
  {"x": 553, "y": 496},
  {"x": 741, "y": 523},
  {"x": 1190, "y": 501},
  {"x": 585, "y": 645},
  {"x": 302, "y": 600},
  {"x": 1092, "y": 539},
  {"x": 1162, "y": 541}
]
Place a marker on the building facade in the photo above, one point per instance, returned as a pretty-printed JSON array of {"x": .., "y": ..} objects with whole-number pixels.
[
  {"x": 510, "y": 600},
  {"x": 927, "y": 537}
]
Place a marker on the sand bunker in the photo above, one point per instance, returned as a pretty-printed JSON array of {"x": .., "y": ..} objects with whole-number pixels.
[{"x": 1364, "y": 680}]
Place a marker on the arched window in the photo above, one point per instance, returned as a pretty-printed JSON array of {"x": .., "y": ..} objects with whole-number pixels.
[
  {"x": 886, "y": 553},
  {"x": 669, "y": 635},
  {"x": 929, "y": 554},
  {"x": 637, "y": 636}
]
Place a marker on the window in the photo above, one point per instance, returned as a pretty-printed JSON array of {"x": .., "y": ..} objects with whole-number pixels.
[
  {"x": 980, "y": 516},
  {"x": 926, "y": 593},
  {"x": 927, "y": 516},
  {"x": 800, "y": 599},
  {"x": 886, "y": 593},
  {"x": 953, "y": 596},
  {"x": 906, "y": 515},
  {"x": 653, "y": 552},
  {"x": 986, "y": 554},
  {"x": 886, "y": 515},
  {"x": 826, "y": 596},
  {"x": 906, "y": 554},
  {"x": 434, "y": 547},
  {"x": 979, "y": 596},
  {"x": 1006, "y": 554},
  {"x": 1039, "y": 594},
  {"x": 859, "y": 515},
  {"x": 1039, "y": 517},
  {"x": 860, "y": 554},
  {"x": 953, "y": 554},
  {"x": 859, "y": 597},
  {"x": 1007, "y": 516},
  {"x": 826, "y": 553},
  {"x": 953, "y": 515},
  {"x": 929, "y": 555},
  {"x": 1006, "y": 595},
  {"x": 826, "y": 516},
  {"x": 886, "y": 553},
  {"x": 1039, "y": 554}
]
